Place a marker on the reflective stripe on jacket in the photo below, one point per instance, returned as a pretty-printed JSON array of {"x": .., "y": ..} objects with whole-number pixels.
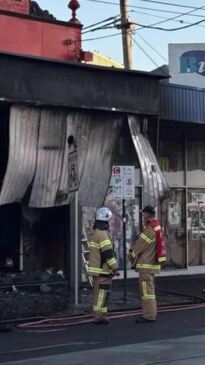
[
  {"x": 101, "y": 256},
  {"x": 144, "y": 251}
]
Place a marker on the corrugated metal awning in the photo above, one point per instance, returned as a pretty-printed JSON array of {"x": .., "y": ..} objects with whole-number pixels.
[
  {"x": 50, "y": 152},
  {"x": 97, "y": 170},
  {"x": 23, "y": 139},
  {"x": 155, "y": 187},
  {"x": 38, "y": 156}
]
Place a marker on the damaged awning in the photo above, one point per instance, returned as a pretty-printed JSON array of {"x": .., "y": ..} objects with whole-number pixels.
[
  {"x": 38, "y": 156},
  {"x": 23, "y": 138},
  {"x": 155, "y": 187}
]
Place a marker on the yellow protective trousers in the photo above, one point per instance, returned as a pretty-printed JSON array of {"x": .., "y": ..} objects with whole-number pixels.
[
  {"x": 147, "y": 293},
  {"x": 101, "y": 293}
]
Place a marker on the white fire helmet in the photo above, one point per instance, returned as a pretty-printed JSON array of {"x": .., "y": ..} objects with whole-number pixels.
[{"x": 103, "y": 214}]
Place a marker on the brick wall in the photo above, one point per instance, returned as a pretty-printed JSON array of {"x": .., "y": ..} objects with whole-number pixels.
[{"x": 16, "y": 6}]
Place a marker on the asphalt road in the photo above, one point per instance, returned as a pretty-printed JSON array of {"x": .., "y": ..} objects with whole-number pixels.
[{"x": 175, "y": 336}]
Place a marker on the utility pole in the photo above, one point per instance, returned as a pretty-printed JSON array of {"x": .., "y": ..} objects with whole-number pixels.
[{"x": 126, "y": 34}]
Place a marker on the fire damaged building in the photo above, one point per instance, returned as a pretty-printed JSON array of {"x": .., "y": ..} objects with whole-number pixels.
[{"x": 48, "y": 96}]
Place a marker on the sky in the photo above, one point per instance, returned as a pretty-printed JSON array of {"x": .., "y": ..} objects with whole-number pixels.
[{"x": 150, "y": 46}]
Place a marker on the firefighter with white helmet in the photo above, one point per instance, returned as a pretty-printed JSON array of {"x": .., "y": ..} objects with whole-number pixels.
[{"x": 102, "y": 264}]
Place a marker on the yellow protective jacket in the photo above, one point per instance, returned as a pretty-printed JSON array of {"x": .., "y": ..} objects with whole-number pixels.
[
  {"x": 101, "y": 256},
  {"x": 144, "y": 252}
]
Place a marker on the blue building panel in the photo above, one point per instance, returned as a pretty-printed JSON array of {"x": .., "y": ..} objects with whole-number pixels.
[{"x": 182, "y": 103}]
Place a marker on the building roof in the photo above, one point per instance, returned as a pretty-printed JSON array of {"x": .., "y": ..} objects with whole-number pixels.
[
  {"x": 101, "y": 60},
  {"x": 182, "y": 103}
]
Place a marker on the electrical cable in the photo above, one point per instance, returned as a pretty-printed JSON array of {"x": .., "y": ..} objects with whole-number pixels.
[
  {"x": 163, "y": 17},
  {"x": 170, "y": 29},
  {"x": 153, "y": 26},
  {"x": 101, "y": 22},
  {"x": 106, "y": 26},
  {"x": 176, "y": 17},
  {"x": 148, "y": 44},
  {"x": 142, "y": 49},
  {"x": 169, "y": 4},
  {"x": 108, "y": 2},
  {"x": 142, "y": 26}
]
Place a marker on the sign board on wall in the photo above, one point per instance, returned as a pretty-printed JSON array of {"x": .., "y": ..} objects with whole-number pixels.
[
  {"x": 187, "y": 64},
  {"x": 73, "y": 181},
  {"x": 123, "y": 182}
]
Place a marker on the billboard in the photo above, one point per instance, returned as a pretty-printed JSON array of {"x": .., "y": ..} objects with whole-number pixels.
[{"x": 187, "y": 64}]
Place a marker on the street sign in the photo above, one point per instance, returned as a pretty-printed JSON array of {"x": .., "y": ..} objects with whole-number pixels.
[
  {"x": 73, "y": 181},
  {"x": 123, "y": 182}
]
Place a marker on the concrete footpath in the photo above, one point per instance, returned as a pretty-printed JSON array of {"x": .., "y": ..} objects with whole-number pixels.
[{"x": 182, "y": 351}]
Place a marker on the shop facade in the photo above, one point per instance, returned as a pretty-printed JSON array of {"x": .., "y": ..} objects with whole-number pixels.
[
  {"x": 181, "y": 152},
  {"x": 43, "y": 103},
  {"x": 177, "y": 138}
]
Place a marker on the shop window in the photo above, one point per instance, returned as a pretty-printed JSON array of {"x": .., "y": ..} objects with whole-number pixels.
[
  {"x": 171, "y": 159},
  {"x": 195, "y": 161},
  {"x": 173, "y": 221},
  {"x": 196, "y": 227}
]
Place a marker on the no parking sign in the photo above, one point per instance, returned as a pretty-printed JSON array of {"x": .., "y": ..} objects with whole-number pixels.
[{"x": 123, "y": 182}]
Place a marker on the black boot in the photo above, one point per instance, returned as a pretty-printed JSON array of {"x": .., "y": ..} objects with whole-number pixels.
[
  {"x": 5, "y": 328},
  {"x": 144, "y": 320}
]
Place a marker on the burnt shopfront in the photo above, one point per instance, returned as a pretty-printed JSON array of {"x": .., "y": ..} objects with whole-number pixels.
[{"x": 42, "y": 104}]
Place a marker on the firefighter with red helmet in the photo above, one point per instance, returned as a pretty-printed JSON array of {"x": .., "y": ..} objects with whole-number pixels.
[
  {"x": 102, "y": 264},
  {"x": 146, "y": 256}
]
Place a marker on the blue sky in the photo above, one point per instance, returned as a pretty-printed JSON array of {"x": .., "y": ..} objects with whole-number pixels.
[{"x": 91, "y": 12}]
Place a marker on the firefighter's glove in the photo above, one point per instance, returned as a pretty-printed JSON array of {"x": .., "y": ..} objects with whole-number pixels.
[
  {"x": 115, "y": 273},
  {"x": 130, "y": 256}
]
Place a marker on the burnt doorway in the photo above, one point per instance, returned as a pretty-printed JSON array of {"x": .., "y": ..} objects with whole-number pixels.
[
  {"x": 45, "y": 239},
  {"x": 54, "y": 224},
  {"x": 10, "y": 226}
]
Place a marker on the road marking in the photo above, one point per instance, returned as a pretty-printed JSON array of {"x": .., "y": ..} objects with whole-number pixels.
[{"x": 50, "y": 347}]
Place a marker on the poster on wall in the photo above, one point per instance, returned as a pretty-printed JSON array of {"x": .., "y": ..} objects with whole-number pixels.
[
  {"x": 174, "y": 214},
  {"x": 198, "y": 197},
  {"x": 193, "y": 219},
  {"x": 202, "y": 220}
]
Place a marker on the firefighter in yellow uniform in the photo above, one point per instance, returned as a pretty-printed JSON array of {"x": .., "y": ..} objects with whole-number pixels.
[
  {"x": 146, "y": 256},
  {"x": 102, "y": 264}
]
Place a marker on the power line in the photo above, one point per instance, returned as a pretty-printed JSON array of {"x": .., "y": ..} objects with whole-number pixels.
[
  {"x": 169, "y": 29},
  {"x": 179, "y": 16},
  {"x": 153, "y": 26},
  {"x": 149, "y": 45},
  {"x": 102, "y": 37},
  {"x": 163, "y": 17},
  {"x": 105, "y": 26},
  {"x": 169, "y": 4},
  {"x": 101, "y": 22},
  {"x": 140, "y": 7},
  {"x": 147, "y": 54}
]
